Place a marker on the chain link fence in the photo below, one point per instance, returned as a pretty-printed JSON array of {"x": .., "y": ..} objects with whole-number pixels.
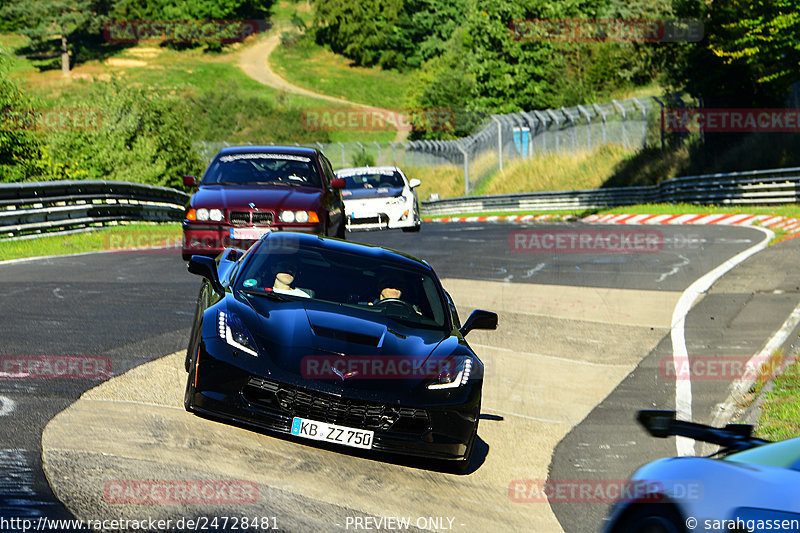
[{"x": 632, "y": 123}]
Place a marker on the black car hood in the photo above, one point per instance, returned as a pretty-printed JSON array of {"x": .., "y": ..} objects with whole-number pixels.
[{"x": 291, "y": 335}]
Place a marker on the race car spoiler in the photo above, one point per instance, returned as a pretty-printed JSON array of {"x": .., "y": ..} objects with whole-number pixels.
[{"x": 733, "y": 437}]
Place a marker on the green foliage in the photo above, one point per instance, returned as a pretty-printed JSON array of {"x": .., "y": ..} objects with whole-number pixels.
[
  {"x": 142, "y": 136},
  {"x": 391, "y": 33},
  {"x": 363, "y": 159},
  {"x": 20, "y": 147},
  {"x": 227, "y": 113},
  {"x": 195, "y": 10},
  {"x": 749, "y": 58}
]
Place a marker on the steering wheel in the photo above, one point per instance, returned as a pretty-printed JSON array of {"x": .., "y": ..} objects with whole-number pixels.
[{"x": 396, "y": 303}]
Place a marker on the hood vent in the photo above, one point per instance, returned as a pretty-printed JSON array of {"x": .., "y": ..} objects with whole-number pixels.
[{"x": 346, "y": 336}]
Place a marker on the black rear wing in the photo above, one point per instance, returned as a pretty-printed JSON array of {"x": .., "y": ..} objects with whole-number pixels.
[{"x": 733, "y": 437}]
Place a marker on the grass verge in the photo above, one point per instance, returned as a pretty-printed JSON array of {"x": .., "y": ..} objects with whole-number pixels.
[
  {"x": 780, "y": 410},
  {"x": 121, "y": 237},
  {"x": 306, "y": 64}
]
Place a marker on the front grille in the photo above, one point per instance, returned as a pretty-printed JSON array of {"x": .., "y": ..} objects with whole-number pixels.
[
  {"x": 246, "y": 218},
  {"x": 296, "y": 401},
  {"x": 239, "y": 218},
  {"x": 380, "y": 219},
  {"x": 262, "y": 219}
]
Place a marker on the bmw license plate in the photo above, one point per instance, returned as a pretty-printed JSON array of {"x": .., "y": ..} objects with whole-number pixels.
[
  {"x": 248, "y": 233},
  {"x": 312, "y": 429}
]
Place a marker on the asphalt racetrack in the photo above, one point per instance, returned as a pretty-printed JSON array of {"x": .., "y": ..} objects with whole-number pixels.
[{"x": 581, "y": 346}]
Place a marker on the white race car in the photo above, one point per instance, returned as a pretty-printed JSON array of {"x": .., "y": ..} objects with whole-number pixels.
[
  {"x": 379, "y": 198},
  {"x": 753, "y": 485}
]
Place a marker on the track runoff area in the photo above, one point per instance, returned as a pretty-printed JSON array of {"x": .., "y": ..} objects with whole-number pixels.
[{"x": 574, "y": 326}]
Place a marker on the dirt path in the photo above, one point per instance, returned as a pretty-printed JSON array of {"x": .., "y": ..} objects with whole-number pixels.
[{"x": 254, "y": 61}]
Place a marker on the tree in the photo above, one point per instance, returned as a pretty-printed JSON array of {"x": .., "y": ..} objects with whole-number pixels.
[
  {"x": 44, "y": 20},
  {"x": 750, "y": 56}
]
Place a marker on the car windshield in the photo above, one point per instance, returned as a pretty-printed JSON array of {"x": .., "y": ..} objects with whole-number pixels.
[
  {"x": 389, "y": 289},
  {"x": 262, "y": 168},
  {"x": 374, "y": 179}
]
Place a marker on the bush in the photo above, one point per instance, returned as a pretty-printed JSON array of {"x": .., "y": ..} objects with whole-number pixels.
[
  {"x": 362, "y": 159},
  {"x": 20, "y": 148},
  {"x": 142, "y": 136}
]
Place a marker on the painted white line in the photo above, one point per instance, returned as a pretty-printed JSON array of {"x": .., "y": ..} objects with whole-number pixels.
[
  {"x": 42, "y": 257},
  {"x": 7, "y": 406},
  {"x": 680, "y": 356},
  {"x": 739, "y": 388}
]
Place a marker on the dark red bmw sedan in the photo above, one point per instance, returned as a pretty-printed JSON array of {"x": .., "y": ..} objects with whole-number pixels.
[{"x": 247, "y": 191}]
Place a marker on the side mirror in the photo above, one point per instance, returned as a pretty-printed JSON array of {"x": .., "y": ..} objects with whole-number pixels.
[
  {"x": 207, "y": 268},
  {"x": 479, "y": 319},
  {"x": 414, "y": 183},
  {"x": 338, "y": 183},
  {"x": 189, "y": 181}
]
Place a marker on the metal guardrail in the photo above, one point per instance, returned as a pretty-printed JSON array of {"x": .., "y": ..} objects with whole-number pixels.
[
  {"x": 30, "y": 209},
  {"x": 762, "y": 187}
]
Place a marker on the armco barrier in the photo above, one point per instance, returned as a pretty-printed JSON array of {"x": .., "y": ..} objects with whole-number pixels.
[
  {"x": 34, "y": 208},
  {"x": 761, "y": 187}
]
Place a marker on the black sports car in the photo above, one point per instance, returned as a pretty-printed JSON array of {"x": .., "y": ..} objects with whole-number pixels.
[{"x": 338, "y": 342}]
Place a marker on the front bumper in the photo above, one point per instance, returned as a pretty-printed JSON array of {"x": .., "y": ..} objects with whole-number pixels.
[
  {"x": 212, "y": 239},
  {"x": 441, "y": 431},
  {"x": 378, "y": 214}
]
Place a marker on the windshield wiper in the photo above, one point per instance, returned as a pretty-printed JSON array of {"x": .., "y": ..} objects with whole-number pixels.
[{"x": 268, "y": 294}]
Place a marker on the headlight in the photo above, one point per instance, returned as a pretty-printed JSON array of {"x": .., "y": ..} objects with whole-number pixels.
[
  {"x": 232, "y": 331},
  {"x": 300, "y": 217},
  {"x": 216, "y": 215},
  {"x": 202, "y": 214},
  {"x": 454, "y": 375}
]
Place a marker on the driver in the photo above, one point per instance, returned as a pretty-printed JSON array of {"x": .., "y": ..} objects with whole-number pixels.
[
  {"x": 285, "y": 272},
  {"x": 391, "y": 288}
]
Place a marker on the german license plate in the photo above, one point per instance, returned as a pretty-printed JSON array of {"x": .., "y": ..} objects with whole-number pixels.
[
  {"x": 248, "y": 234},
  {"x": 312, "y": 429}
]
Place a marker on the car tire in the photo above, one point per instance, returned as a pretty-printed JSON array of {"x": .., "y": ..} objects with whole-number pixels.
[
  {"x": 340, "y": 231},
  {"x": 413, "y": 229},
  {"x": 651, "y": 518}
]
